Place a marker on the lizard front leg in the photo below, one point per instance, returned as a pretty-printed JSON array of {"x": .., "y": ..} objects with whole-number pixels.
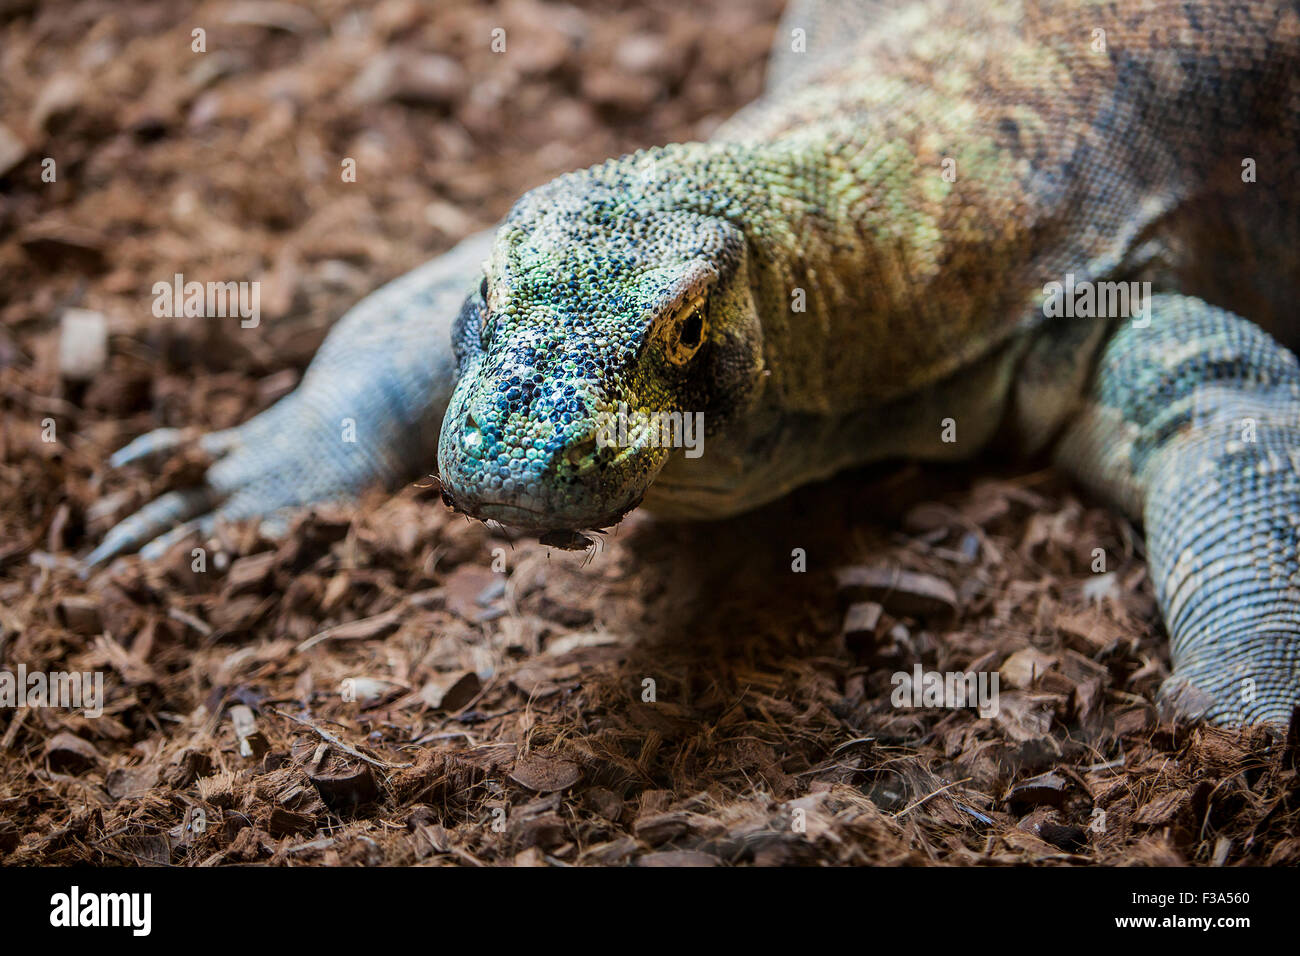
[
  {"x": 1192, "y": 425},
  {"x": 367, "y": 413}
]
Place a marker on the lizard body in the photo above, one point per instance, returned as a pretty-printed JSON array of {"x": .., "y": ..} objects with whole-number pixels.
[{"x": 861, "y": 255}]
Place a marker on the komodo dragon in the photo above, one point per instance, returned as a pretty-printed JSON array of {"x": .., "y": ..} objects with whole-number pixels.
[{"x": 920, "y": 227}]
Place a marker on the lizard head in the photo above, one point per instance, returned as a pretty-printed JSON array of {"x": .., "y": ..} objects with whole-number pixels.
[{"x": 598, "y": 308}]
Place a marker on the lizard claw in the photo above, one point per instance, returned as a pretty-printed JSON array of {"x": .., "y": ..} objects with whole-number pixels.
[{"x": 148, "y": 445}]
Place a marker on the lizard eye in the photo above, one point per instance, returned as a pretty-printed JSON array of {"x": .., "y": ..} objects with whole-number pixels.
[{"x": 684, "y": 331}]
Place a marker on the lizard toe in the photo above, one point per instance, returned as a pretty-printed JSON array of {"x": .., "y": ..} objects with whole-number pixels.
[
  {"x": 157, "y": 517},
  {"x": 169, "y": 441},
  {"x": 273, "y": 526}
]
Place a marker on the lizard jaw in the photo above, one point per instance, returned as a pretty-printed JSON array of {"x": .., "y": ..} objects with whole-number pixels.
[{"x": 549, "y": 529}]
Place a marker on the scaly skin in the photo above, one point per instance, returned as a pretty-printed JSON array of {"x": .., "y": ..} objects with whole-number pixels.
[{"x": 862, "y": 254}]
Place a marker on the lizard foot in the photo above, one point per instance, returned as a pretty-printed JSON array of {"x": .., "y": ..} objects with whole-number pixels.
[
  {"x": 1249, "y": 682},
  {"x": 367, "y": 413},
  {"x": 259, "y": 469}
]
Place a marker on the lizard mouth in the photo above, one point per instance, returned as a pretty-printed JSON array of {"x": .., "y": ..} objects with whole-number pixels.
[
  {"x": 506, "y": 512},
  {"x": 551, "y": 529}
]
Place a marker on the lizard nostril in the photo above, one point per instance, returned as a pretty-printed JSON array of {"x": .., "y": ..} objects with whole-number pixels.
[
  {"x": 473, "y": 436},
  {"x": 579, "y": 453}
]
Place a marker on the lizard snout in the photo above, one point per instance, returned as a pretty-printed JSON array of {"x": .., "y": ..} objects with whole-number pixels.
[{"x": 539, "y": 474}]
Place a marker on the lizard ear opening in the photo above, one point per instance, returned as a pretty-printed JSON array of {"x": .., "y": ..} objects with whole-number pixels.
[{"x": 485, "y": 317}]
